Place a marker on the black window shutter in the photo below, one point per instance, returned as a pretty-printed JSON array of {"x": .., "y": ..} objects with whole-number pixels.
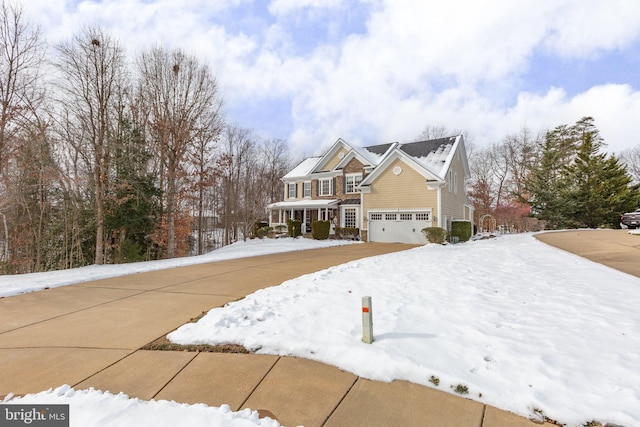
[{"x": 334, "y": 186}]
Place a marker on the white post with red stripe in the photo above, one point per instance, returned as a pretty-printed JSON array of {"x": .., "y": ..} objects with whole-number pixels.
[{"x": 367, "y": 321}]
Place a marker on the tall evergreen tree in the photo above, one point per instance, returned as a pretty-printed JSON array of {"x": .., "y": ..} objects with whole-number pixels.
[
  {"x": 599, "y": 186},
  {"x": 575, "y": 184},
  {"x": 546, "y": 186},
  {"x": 132, "y": 205}
]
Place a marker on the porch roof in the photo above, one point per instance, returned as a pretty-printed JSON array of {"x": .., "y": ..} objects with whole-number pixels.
[{"x": 305, "y": 204}]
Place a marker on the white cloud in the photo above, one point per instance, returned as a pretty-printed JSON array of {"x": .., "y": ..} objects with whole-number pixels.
[
  {"x": 285, "y": 7},
  {"x": 458, "y": 64},
  {"x": 582, "y": 28},
  {"x": 424, "y": 63}
]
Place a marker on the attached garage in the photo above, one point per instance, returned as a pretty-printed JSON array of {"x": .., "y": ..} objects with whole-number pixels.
[{"x": 398, "y": 226}]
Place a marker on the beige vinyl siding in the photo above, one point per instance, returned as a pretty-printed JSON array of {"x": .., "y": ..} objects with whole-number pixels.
[
  {"x": 408, "y": 190},
  {"x": 335, "y": 160},
  {"x": 453, "y": 204}
]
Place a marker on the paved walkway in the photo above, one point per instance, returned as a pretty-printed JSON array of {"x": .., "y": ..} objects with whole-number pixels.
[{"x": 90, "y": 335}]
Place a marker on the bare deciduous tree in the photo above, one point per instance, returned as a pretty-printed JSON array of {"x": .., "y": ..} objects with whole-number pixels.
[
  {"x": 21, "y": 52},
  {"x": 631, "y": 159},
  {"x": 274, "y": 155},
  {"x": 183, "y": 103},
  {"x": 500, "y": 174},
  {"x": 202, "y": 174},
  {"x": 93, "y": 76},
  {"x": 238, "y": 152}
]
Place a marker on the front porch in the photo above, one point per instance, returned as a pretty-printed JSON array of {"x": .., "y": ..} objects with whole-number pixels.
[{"x": 306, "y": 211}]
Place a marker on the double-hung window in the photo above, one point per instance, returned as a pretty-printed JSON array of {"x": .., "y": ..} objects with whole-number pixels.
[
  {"x": 306, "y": 189},
  {"x": 325, "y": 186},
  {"x": 351, "y": 182},
  {"x": 292, "y": 191}
]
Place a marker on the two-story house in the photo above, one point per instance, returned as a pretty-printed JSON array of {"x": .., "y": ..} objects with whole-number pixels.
[{"x": 389, "y": 191}]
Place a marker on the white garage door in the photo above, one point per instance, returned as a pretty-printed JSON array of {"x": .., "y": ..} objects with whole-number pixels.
[{"x": 401, "y": 227}]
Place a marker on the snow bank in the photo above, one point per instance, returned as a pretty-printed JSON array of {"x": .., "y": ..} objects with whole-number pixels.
[
  {"x": 524, "y": 326},
  {"x": 93, "y": 408}
]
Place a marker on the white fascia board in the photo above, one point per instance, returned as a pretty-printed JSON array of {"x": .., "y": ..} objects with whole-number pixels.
[
  {"x": 340, "y": 143},
  {"x": 327, "y": 174},
  {"x": 302, "y": 169},
  {"x": 410, "y": 161},
  {"x": 435, "y": 185},
  {"x": 465, "y": 160},
  {"x": 452, "y": 153},
  {"x": 353, "y": 154}
]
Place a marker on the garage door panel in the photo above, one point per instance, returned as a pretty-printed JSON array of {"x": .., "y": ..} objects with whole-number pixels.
[{"x": 397, "y": 227}]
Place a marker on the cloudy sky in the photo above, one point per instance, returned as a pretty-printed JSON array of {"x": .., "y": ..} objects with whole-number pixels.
[{"x": 376, "y": 71}]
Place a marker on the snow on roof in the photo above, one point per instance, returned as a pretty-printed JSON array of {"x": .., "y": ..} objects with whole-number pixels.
[
  {"x": 307, "y": 203},
  {"x": 304, "y": 168},
  {"x": 432, "y": 154},
  {"x": 372, "y": 158}
]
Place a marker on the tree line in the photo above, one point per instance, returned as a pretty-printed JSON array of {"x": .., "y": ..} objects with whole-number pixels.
[
  {"x": 107, "y": 161},
  {"x": 561, "y": 178}
]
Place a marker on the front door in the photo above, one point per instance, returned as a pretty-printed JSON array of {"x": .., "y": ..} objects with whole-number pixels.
[{"x": 350, "y": 217}]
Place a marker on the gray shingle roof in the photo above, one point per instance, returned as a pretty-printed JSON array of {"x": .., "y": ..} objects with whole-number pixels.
[
  {"x": 424, "y": 148},
  {"x": 378, "y": 149}
]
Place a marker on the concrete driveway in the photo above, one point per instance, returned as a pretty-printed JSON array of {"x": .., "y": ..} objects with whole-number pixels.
[
  {"x": 91, "y": 335},
  {"x": 615, "y": 248}
]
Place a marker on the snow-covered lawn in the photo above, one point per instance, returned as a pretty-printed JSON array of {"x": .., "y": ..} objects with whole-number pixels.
[{"x": 523, "y": 326}]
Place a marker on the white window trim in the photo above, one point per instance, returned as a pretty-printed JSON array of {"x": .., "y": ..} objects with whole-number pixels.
[
  {"x": 357, "y": 214},
  {"x": 455, "y": 183},
  {"x": 289, "y": 188},
  {"x": 321, "y": 187},
  {"x": 355, "y": 184},
  {"x": 304, "y": 189}
]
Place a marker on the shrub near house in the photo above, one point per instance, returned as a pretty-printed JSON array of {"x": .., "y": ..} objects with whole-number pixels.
[{"x": 320, "y": 229}]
